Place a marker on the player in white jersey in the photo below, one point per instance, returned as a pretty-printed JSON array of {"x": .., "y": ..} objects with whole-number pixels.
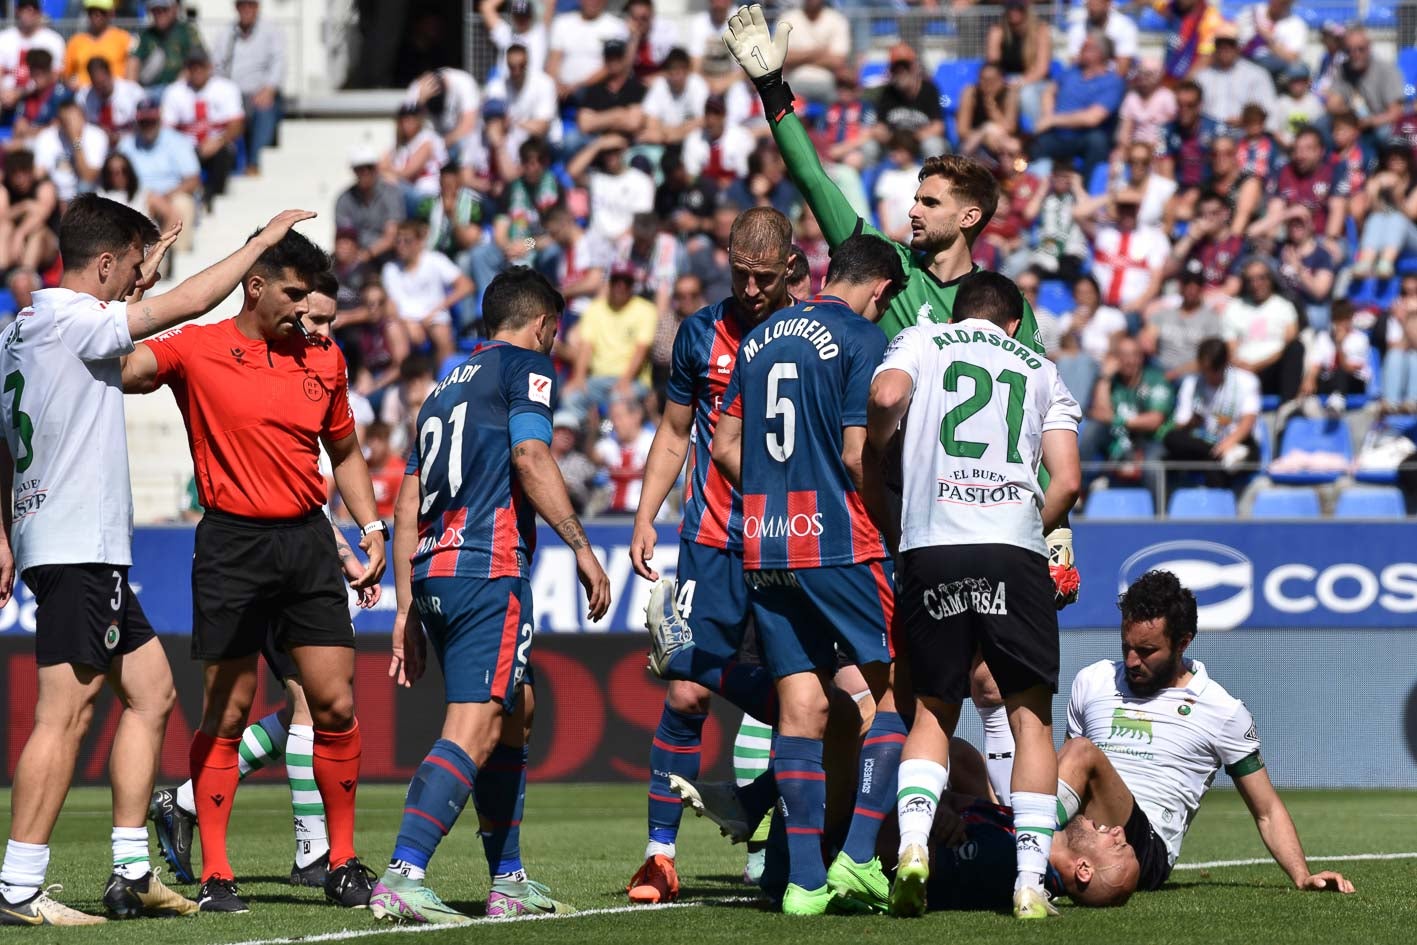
[
  {"x": 984, "y": 411},
  {"x": 67, "y": 464},
  {"x": 1148, "y": 733}
]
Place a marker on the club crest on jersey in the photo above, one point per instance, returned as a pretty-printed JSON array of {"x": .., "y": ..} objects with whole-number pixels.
[
  {"x": 538, "y": 389},
  {"x": 1131, "y": 723},
  {"x": 725, "y": 364}
]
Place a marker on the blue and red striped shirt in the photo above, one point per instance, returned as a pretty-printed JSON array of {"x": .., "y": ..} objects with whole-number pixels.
[
  {"x": 802, "y": 377},
  {"x": 473, "y": 520}
]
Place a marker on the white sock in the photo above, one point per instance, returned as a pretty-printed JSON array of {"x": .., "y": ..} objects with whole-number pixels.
[
  {"x": 920, "y": 784},
  {"x": 185, "y": 800},
  {"x": 130, "y": 852},
  {"x": 408, "y": 869},
  {"x": 23, "y": 872},
  {"x": 261, "y": 744},
  {"x": 659, "y": 849},
  {"x": 1068, "y": 803},
  {"x": 998, "y": 749},
  {"x": 311, "y": 839},
  {"x": 1035, "y": 818}
]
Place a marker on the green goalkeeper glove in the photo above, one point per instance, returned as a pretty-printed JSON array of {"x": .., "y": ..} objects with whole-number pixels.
[{"x": 761, "y": 55}]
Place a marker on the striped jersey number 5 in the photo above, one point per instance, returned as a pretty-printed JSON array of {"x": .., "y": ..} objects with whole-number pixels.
[
  {"x": 431, "y": 440},
  {"x": 24, "y": 426},
  {"x": 780, "y": 448},
  {"x": 975, "y": 402}
]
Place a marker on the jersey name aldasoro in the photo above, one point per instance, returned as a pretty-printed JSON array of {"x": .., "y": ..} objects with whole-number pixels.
[
  {"x": 473, "y": 520},
  {"x": 1168, "y": 747},
  {"x": 802, "y": 377},
  {"x": 705, "y": 350},
  {"x": 974, "y": 434},
  {"x": 63, "y": 417}
]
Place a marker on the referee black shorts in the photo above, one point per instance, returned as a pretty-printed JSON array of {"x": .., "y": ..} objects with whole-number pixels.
[
  {"x": 85, "y": 614},
  {"x": 1152, "y": 855},
  {"x": 996, "y": 598},
  {"x": 254, "y": 578}
]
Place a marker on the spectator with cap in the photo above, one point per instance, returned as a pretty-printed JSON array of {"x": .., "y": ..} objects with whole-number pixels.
[
  {"x": 1273, "y": 35},
  {"x": 1147, "y": 108},
  {"x": 109, "y": 101},
  {"x": 101, "y": 40},
  {"x": 674, "y": 104},
  {"x": 1078, "y": 113},
  {"x": 576, "y": 57},
  {"x": 1177, "y": 323},
  {"x": 39, "y": 101},
  {"x": 251, "y": 53},
  {"x": 530, "y": 99},
  {"x": 821, "y": 44},
  {"x": 524, "y": 30},
  {"x": 618, "y": 191},
  {"x": 1296, "y": 104},
  {"x": 207, "y": 109},
  {"x": 372, "y": 207},
  {"x": 1229, "y": 83},
  {"x": 1262, "y": 329},
  {"x": 615, "y": 104},
  {"x": 1102, "y": 16},
  {"x": 70, "y": 152},
  {"x": 1372, "y": 88},
  {"x": 162, "y": 47},
  {"x": 451, "y": 99},
  {"x": 708, "y": 55},
  {"x": 1128, "y": 258},
  {"x": 28, "y": 32},
  {"x": 1021, "y": 43},
  {"x": 416, "y": 160},
  {"x": 167, "y": 167},
  {"x": 424, "y": 286},
  {"x": 651, "y": 38},
  {"x": 717, "y": 152},
  {"x": 910, "y": 102},
  {"x": 519, "y": 232},
  {"x": 612, "y": 343}
]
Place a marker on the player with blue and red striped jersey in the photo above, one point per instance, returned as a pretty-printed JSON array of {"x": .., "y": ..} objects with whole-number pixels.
[
  {"x": 478, "y": 474},
  {"x": 709, "y": 595},
  {"x": 791, "y": 439}
]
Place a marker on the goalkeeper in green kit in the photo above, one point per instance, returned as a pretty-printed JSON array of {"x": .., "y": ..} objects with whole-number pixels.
[{"x": 953, "y": 203}]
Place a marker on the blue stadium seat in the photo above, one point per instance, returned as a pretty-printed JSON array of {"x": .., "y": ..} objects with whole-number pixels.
[
  {"x": 1406, "y": 265},
  {"x": 1202, "y": 503},
  {"x": 874, "y": 72},
  {"x": 1285, "y": 503},
  {"x": 1329, "y": 435},
  {"x": 1054, "y": 295},
  {"x": 940, "y": 26},
  {"x": 885, "y": 26},
  {"x": 1381, "y": 15},
  {"x": 1370, "y": 502},
  {"x": 1407, "y": 62},
  {"x": 1097, "y": 183},
  {"x": 1376, "y": 292},
  {"x": 951, "y": 76},
  {"x": 1151, "y": 21},
  {"x": 1120, "y": 503},
  {"x": 1317, "y": 15},
  {"x": 1269, "y": 402}
]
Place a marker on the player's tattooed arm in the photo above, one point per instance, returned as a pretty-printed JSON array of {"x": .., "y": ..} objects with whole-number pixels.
[{"x": 572, "y": 533}]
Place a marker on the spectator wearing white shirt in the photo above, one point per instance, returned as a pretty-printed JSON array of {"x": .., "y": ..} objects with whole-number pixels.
[
  {"x": 1262, "y": 329},
  {"x": 207, "y": 109},
  {"x": 417, "y": 158},
  {"x": 1336, "y": 362},
  {"x": 423, "y": 286},
  {"x": 579, "y": 269},
  {"x": 575, "y": 58},
  {"x": 1229, "y": 83},
  {"x": 1215, "y": 416},
  {"x": 1096, "y": 326},
  {"x": 622, "y": 454},
  {"x": 70, "y": 152},
  {"x": 1128, "y": 258},
  {"x": 530, "y": 97},
  {"x": 1100, "y": 16},
  {"x": 524, "y": 30},
  {"x": 718, "y": 150},
  {"x": 617, "y": 190},
  {"x": 109, "y": 101},
  {"x": 1272, "y": 35},
  {"x": 251, "y": 53},
  {"x": 707, "y": 52},
  {"x": 29, "y": 32},
  {"x": 821, "y": 44},
  {"x": 452, "y": 99},
  {"x": 674, "y": 105},
  {"x": 896, "y": 186}
]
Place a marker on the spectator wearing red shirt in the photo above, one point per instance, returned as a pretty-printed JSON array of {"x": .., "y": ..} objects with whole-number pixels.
[
  {"x": 259, "y": 399},
  {"x": 1307, "y": 181},
  {"x": 1188, "y": 139},
  {"x": 386, "y": 468},
  {"x": 1350, "y": 162},
  {"x": 1210, "y": 248}
]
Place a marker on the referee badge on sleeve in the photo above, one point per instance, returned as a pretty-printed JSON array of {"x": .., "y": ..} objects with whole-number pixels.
[{"x": 539, "y": 389}]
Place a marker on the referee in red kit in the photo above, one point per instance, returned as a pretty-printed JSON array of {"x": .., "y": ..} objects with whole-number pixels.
[{"x": 259, "y": 398}]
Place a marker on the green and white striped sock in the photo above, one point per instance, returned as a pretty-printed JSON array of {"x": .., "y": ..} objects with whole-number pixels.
[
  {"x": 752, "y": 750},
  {"x": 130, "y": 852},
  {"x": 311, "y": 839},
  {"x": 261, "y": 744}
]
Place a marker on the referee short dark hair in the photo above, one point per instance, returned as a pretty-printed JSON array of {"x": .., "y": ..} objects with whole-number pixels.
[
  {"x": 325, "y": 283},
  {"x": 95, "y": 225},
  {"x": 1160, "y": 595},
  {"x": 516, "y": 297},
  {"x": 294, "y": 252},
  {"x": 864, "y": 258},
  {"x": 989, "y": 296}
]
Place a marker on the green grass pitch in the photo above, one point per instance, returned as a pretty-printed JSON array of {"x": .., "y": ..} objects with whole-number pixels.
[{"x": 585, "y": 840}]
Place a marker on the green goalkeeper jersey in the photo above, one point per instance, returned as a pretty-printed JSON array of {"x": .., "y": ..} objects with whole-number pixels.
[{"x": 925, "y": 298}]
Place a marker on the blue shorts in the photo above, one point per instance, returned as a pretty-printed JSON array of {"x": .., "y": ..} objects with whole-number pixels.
[
  {"x": 481, "y": 632},
  {"x": 712, "y": 597},
  {"x": 804, "y": 615}
]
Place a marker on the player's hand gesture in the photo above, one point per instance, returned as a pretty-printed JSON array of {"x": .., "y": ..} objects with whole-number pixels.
[
  {"x": 373, "y": 545},
  {"x": 1327, "y": 881},
  {"x": 274, "y": 231},
  {"x": 354, "y": 573},
  {"x": 751, "y": 42},
  {"x": 642, "y": 544},
  {"x": 410, "y": 648},
  {"x": 7, "y": 572},
  {"x": 596, "y": 584},
  {"x": 152, "y": 262}
]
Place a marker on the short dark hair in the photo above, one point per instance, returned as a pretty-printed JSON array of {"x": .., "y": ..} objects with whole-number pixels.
[
  {"x": 1309, "y": 131},
  {"x": 1160, "y": 595},
  {"x": 95, "y": 225},
  {"x": 515, "y": 297},
  {"x": 1215, "y": 196},
  {"x": 971, "y": 182},
  {"x": 325, "y": 283},
  {"x": 1191, "y": 85},
  {"x": 797, "y": 266},
  {"x": 415, "y": 366},
  {"x": 535, "y": 147},
  {"x": 38, "y": 58},
  {"x": 97, "y": 65},
  {"x": 18, "y": 160},
  {"x": 1212, "y": 354},
  {"x": 676, "y": 57},
  {"x": 864, "y": 258},
  {"x": 989, "y": 296},
  {"x": 294, "y": 252}
]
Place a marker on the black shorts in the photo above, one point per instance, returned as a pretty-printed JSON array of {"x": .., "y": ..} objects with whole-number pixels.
[
  {"x": 280, "y": 662},
  {"x": 85, "y": 614},
  {"x": 954, "y": 599},
  {"x": 1152, "y": 855},
  {"x": 258, "y": 580}
]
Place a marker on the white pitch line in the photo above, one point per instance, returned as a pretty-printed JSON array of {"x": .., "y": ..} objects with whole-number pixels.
[{"x": 1262, "y": 860}]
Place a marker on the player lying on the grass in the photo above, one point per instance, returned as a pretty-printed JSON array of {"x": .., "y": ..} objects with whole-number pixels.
[
  {"x": 288, "y": 732},
  {"x": 1148, "y": 733},
  {"x": 73, "y": 508},
  {"x": 462, "y": 561},
  {"x": 790, "y": 440}
]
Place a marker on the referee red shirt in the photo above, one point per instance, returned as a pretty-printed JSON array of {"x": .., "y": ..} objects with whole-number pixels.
[{"x": 254, "y": 414}]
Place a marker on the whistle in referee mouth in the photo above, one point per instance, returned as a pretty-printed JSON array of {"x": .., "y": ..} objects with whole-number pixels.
[{"x": 309, "y": 338}]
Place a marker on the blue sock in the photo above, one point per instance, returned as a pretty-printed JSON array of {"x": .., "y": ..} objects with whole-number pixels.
[
  {"x": 500, "y": 793},
  {"x": 759, "y": 795},
  {"x": 775, "y": 862},
  {"x": 802, "y": 783},
  {"x": 436, "y": 796},
  {"x": 675, "y": 750},
  {"x": 748, "y": 687},
  {"x": 875, "y": 792}
]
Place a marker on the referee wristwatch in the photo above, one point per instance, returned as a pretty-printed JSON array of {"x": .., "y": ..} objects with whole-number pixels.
[{"x": 378, "y": 525}]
